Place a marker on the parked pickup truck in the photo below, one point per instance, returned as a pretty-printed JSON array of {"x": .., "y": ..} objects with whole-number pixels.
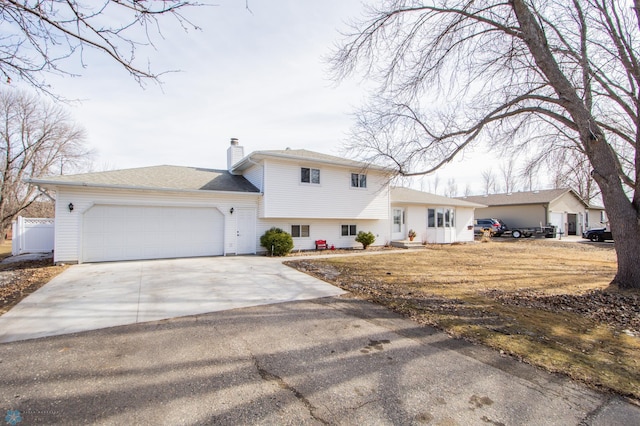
[{"x": 597, "y": 234}]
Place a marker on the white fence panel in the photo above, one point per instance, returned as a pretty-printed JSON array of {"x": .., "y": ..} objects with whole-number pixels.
[{"x": 32, "y": 235}]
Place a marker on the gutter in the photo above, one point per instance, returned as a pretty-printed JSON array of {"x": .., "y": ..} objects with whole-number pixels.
[
  {"x": 39, "y": 182},
  {"x": 314, "y": 160}
]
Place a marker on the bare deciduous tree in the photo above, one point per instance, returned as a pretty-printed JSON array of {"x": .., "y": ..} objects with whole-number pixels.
[
  {"x": 452, "y": 188},
  {"x": 571, "y": 169},
  {"x": 467, "y": 190},
  {"x": 38, "y": 36},
  {"x": 37, "y": 138},
  {"x": 489, "y": 183},
  {"x": 509, "y": 177},
  {"x": 534, "y": 74}
]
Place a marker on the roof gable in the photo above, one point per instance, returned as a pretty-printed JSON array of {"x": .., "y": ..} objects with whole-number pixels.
[{"x": 519, "y": 198}]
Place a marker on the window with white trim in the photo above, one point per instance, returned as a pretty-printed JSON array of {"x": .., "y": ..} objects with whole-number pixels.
[
  {"x": 431, "y": 218},
  {"x": 309, "y": 175},
  {"x": 299, "y": 231},
  {"x": 349, "y": 230},
  {"x": 358, "y": 180},
  {"x": 441, "y": 218}
]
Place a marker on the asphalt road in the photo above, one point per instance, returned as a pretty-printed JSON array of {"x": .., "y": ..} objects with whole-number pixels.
[{"x": 325, "y": 361}]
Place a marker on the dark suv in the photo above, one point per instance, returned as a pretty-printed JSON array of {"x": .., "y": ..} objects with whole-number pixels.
[
  {"x": 597, "y": 234},
  {"x": 495, "y": 226}
]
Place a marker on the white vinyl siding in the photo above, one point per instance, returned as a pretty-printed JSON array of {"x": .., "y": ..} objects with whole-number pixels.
[
  {"x": 69, "y": 225},
  {"x": 329, "y": 230},
  {"x": 456, "y": 223},
  {"x": 255, "y": 175},
  {"x": 286, "y": 197}
]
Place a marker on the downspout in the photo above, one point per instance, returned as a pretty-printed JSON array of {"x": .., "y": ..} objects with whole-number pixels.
[{"x": 389, "y": 216}]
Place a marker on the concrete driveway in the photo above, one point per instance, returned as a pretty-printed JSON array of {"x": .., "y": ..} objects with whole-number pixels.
[{"x": 100, "y": 295}]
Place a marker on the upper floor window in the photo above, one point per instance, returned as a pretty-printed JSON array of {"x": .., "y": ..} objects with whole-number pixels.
[
  {"x": 358, "y": 180},
  {"x": 308, "y": 175}
]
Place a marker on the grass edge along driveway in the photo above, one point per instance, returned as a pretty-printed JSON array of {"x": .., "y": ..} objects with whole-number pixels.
[{"x": 546, "y": 303}]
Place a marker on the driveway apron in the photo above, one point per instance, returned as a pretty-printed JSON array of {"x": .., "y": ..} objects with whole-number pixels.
[{"x": 94, "y": 296}]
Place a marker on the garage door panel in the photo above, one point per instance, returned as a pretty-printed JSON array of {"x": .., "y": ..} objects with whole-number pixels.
[{"x": 141, "y": 232}]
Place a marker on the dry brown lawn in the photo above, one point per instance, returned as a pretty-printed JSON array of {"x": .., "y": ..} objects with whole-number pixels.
[
  {"x": 19, "y": 279},
  {"x": 5, "y": 249},
  {"x": 547, "y": 303}
]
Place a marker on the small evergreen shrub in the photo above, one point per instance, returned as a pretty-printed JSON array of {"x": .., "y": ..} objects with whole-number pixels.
[
  {"x": 365, "y": 238},
  {"x": 277, "y": 242}
]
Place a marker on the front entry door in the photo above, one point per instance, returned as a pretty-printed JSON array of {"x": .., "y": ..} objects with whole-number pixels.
[
  {"x": 246, "y": 231},
  {"x": 397, "y": 230}
]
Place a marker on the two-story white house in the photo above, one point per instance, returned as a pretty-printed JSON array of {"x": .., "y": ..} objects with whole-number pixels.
[{"x": 174, "y": 211}]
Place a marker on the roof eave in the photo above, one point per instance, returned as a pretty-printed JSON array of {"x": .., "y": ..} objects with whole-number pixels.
[
  {"x": 440, "y": 203},
  {"x": 53, "y": 183},
  {"x": 260, "y": 155}
]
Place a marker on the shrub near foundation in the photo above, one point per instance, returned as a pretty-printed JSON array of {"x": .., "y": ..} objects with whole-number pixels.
[
  {"x": 277, "y": 242},
  {"x": 365, "y": 238}
]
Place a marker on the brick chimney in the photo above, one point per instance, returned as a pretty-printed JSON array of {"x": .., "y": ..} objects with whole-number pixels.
[{"x": 235, "y": 153}]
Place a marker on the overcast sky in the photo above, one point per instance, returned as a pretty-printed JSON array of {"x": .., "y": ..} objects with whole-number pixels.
[{"x": 257, "y": 75}]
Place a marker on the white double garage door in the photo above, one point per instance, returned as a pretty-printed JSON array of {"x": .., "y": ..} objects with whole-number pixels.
[{"x": 116, "y": 232}]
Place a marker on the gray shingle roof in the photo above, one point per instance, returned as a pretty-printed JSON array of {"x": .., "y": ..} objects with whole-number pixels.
[
  {"x": 412, "y": 196},
  {"x": 157, "y": 177},
  {"x": 304, "y": 155},
  {"x": 518, "y": 198}
]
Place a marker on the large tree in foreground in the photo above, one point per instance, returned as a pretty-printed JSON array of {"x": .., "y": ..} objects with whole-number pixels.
[
  {"x": 531, "y": 74},
  {"x": 39, "y": 37},
  {"x": 37, "y": 139}
]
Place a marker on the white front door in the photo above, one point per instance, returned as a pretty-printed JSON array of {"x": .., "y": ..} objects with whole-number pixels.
[
  {"x": 246, "y": 231},
  {"x": 557, "y": 220},
  {"x": 397, "y": 230}
]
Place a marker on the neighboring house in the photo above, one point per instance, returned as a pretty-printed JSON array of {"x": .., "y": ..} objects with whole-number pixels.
[
  {"x": 172, "y": 211},
  {"x": 597, "y": 217},
  {"x": 562, "y": 208}
]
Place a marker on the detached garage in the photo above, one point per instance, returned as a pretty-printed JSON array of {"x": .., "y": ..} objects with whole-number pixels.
[{"x": 151, "y": 213}]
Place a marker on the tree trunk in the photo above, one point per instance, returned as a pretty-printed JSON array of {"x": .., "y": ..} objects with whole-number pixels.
[
  {"x": 625, "y": 228},
  {"x": 623, "y": 214}
]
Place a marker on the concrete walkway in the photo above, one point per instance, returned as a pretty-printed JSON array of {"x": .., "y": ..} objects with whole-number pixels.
[
  {"x": 99, "y": 295},
  {"x": 324, "y": 361}
]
